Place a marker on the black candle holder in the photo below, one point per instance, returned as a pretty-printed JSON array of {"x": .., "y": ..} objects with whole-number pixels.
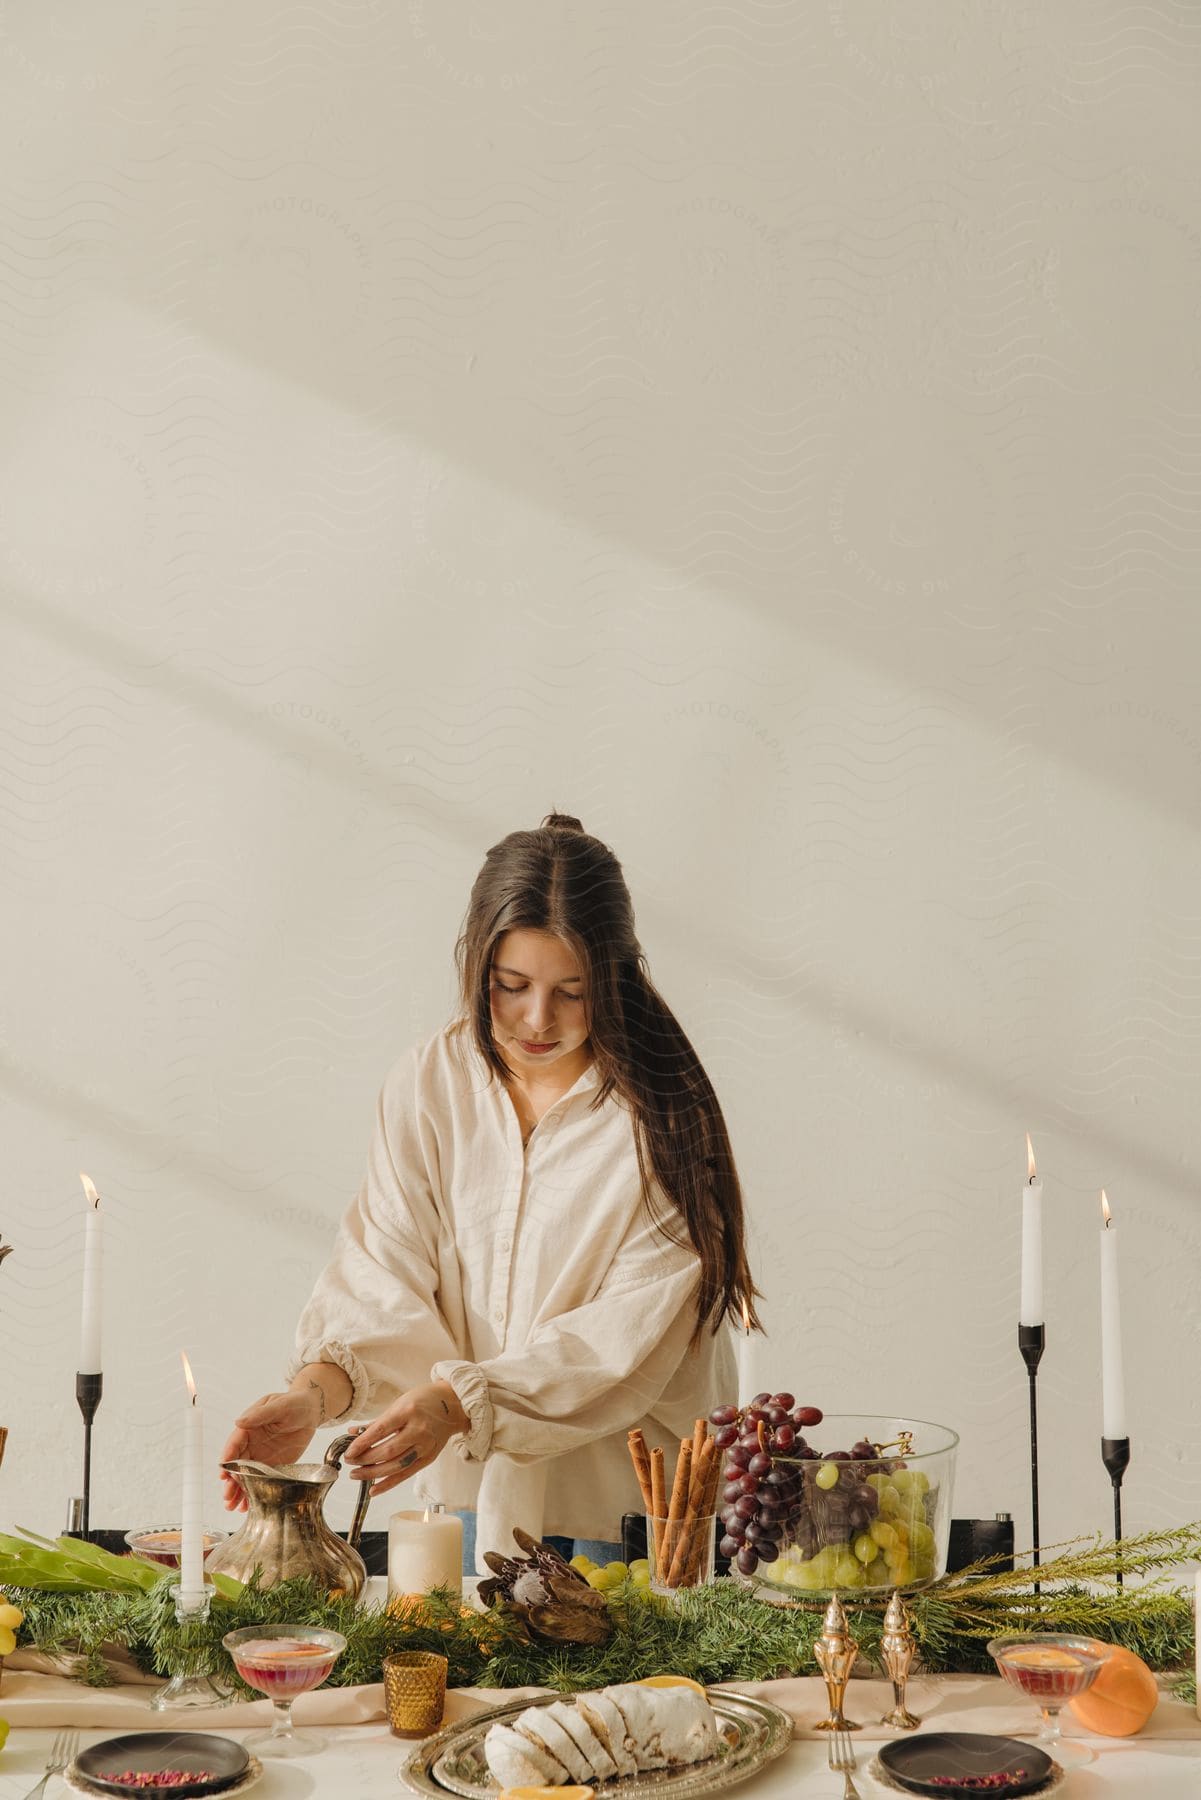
[
  {"x": 1032, "y": 1341},
  {"x": 1115, "y": 1454},
  {"x": 88, "y": 1389}
]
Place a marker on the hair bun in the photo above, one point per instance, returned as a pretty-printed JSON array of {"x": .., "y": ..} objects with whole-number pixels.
[{"x": 557, "y": 821}]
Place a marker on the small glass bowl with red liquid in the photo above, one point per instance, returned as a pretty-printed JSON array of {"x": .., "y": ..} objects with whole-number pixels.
[
  {"x": 162, "y": 1543},
  {"x": 283, "y": 1661},
  {"x": 1050, "y": 1671}
]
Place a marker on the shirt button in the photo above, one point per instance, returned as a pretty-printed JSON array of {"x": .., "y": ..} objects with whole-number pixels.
[
  {"x": 505, "y": 1244},
  {"x": 499, "y": 1316}
]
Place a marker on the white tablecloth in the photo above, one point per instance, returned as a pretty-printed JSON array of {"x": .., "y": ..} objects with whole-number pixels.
[{"x": 362, "y": 1762}]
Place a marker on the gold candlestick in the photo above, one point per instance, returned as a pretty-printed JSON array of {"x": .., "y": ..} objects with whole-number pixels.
[
  {"x": 836, "y": 1651},
  {"x": 897, "y": 1649}
]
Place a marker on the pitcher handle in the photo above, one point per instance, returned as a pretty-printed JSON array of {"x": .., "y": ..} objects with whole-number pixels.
[
  {"x": 333, "y": 1460},
  {"x": 337, "y": 1449}
]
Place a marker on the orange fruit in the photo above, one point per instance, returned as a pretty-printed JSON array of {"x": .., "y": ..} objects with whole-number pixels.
[
  {"x": 412, "y": 1608},
  {"x": 668, "y": 1681},
  {"x": 545, "y": 1793},
  {"x": 1121, "y": 1699}
]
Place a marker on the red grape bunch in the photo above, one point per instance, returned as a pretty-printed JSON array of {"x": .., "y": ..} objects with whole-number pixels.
[{"x": 762, "y": 1499}]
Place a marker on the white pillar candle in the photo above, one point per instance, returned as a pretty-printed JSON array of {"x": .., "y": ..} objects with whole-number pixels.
[
  {"x": 745, "y": 1376},
  {"x": 425, "y": 1550},
  {"x": 1030, "y": 1311},
  {"x": 1113, "y": 1386},
  {"x": 191, "y": 1547},
  {"x": 89, "y": 1331}
]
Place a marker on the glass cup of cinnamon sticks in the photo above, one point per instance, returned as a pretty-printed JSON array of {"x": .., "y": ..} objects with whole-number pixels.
[{"x": 681, "y": 1529}]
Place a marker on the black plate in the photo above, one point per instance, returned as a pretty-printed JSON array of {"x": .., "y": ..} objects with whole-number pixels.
[
  {"x": 912, "y": 1761},
  {"x": 162, "y": 1750}
]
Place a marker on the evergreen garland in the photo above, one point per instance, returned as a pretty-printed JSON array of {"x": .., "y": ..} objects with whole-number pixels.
[{"x": 714, "y": 1634}]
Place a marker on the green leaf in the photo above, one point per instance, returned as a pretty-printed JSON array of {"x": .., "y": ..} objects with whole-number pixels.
[
  {"x": 24, "y": 1563},
  {"x": 47, "y": 1543},
  {"x": 124, "y": 1568}
]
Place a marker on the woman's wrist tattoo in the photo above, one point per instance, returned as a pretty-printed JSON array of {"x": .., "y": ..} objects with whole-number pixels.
[{"x": 321, "y": 1396}]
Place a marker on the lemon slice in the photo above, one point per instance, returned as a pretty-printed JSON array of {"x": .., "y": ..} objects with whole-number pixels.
[
  {"x": 545, "y": 1793},
  {"x": 669, "y": 1681}
]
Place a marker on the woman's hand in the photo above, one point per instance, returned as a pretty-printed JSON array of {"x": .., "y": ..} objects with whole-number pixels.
[
  {"x": 407, "y": 1436},
  {"x": 276, "y": 1429}
]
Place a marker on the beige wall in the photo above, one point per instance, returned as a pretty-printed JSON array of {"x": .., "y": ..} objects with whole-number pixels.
[{"x": 770, "y": 431}]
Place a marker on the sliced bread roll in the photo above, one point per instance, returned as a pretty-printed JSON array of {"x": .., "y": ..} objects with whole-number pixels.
[
  {"x": 580, "y": 1731},
  {"x": 609, "y": 1723},
  {"x": 614, "y": 1731},
  {"x": 666, "y": 1727},
  {"x": 516, "y": 1761},
  {"x": 536, "y": 1722}
]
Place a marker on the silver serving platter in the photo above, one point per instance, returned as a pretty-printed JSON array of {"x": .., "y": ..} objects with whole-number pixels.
[{"x": 753, "y": 1734}]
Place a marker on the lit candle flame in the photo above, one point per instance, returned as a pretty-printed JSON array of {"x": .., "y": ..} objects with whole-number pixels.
[
  {"x": 746, "y": 1317},
  {"x": 187, "y": 1375},
  {"x": 1105, "y": 1212},
  {"x": 1031, "y": 1171},
  {"x": 93, "y": 1197}
]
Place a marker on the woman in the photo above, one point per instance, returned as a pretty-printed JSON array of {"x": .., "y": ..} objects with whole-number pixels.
[{"x": 549, "y": 1237}]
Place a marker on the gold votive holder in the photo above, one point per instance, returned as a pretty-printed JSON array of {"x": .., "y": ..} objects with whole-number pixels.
[{"x": 414, "y": 1692}]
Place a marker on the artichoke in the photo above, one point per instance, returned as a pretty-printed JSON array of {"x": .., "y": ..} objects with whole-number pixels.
[{"x": 551, "y": 1597}]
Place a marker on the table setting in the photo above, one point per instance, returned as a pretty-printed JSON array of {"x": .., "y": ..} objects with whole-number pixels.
[{"x": 794, "y": 1620}]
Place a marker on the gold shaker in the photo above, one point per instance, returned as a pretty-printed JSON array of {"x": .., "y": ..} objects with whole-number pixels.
[
  {"x": 836, "y": 1651},
  {"x": 897, "y": 1649}
]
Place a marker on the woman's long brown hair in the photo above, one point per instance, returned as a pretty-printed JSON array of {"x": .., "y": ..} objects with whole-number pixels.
[{"x": 560, "y": 880}]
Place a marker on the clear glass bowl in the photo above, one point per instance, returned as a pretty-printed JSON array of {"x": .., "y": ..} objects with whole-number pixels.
[
  {"x": 859, "y": 1506},
  {"x": 161, "y": 1543}
]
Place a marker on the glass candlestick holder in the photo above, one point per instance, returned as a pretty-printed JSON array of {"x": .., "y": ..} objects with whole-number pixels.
[{"x": 192, "y": 1658}]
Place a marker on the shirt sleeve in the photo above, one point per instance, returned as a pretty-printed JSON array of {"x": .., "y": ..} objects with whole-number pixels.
[
  {"x": 374, "y": 1310},
  {"x": 590, "y": 1371}
]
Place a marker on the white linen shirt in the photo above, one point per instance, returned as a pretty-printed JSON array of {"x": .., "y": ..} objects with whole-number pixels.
[{"x": 535, "y": 1281}]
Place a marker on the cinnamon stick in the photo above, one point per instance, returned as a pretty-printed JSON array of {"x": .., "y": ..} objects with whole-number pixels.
[
  {"x": 658, "y": 1502},
  {"x": 677, "y": 1511},
  {"x": 709, "y": 1505},
  {"x": 640, "y": 1456},
  {"x": 685, "y": 1558},
  {"x": 681, "y": 1483},
  {"x": 715, "y": 1481},
  {"x": 700, "y": 1432}
]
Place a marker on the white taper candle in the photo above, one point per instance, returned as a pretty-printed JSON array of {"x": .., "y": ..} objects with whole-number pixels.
[
  {"x": 93, "y": 1245},
  {"x": 743, "y": 1351},
  {"x": 1113, "y": 1385},
  {"x": 1030, "y": 1310},
  {"x": 191, "y": 1548}
]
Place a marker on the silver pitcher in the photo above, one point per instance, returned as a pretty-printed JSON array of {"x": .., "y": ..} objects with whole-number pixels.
[{"x": 285, "y": 1533}]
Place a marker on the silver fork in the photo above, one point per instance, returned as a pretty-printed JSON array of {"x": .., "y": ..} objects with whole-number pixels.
[
  {"x": 842, "y": 1761},
  {"x": 62, "y": 1752}
]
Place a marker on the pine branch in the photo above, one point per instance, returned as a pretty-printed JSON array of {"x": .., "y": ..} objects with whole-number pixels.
[{"x": 714, "y": 1634}]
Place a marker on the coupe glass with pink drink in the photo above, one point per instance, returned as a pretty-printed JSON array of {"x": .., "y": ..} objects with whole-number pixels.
[
  {"x": 162, "y": 1543},
  {"x": 1050, "y": 1671},
  {"x": 283, "y": 1661}
]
